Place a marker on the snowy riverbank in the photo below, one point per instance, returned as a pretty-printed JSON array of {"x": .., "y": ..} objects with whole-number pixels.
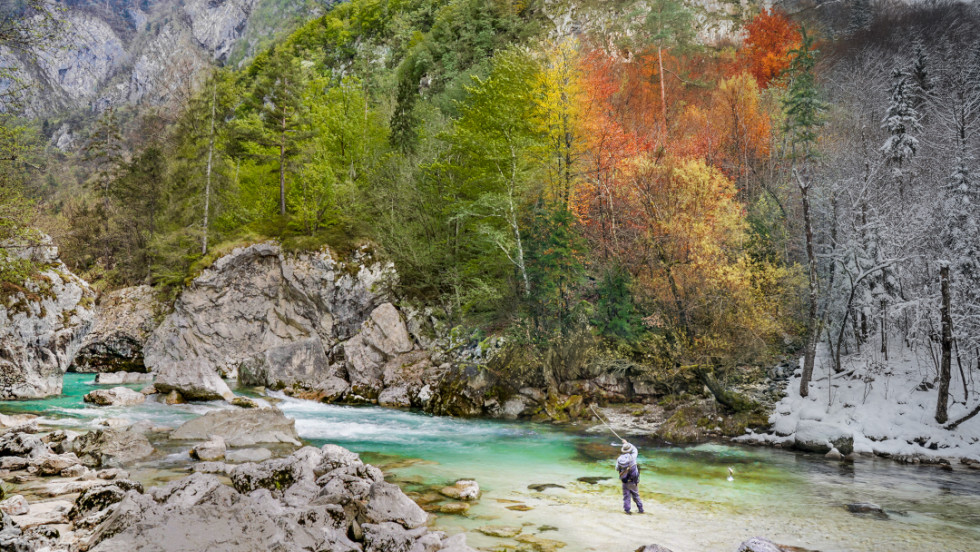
[{"x": 888, "y": 407}]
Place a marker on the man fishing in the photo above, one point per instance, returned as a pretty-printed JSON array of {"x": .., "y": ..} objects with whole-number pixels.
[{"x": 629, "y": 474}]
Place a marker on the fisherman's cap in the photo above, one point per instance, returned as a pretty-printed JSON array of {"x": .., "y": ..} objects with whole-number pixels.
[{"x": 626, "y": 447}]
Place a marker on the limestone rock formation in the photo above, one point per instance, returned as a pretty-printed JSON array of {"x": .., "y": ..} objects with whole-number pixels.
[
  {"x": 193, "y": 380},
  {"x": 241, "y": 427},
  {"x": 117, "y": 396},
  {"x": 42, "y": 326},
  {"x": 123, "y": 320}
]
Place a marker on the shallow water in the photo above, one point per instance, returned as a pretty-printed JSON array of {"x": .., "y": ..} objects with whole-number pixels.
[{"x": 791, "y": 498}]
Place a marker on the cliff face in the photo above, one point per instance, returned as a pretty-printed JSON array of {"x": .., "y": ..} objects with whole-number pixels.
[
  {"x": 41, "y": 328},
  {"x": 119, "y": 52}
]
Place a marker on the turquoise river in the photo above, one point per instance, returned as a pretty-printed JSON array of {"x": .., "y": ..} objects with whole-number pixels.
[{"x": 794, "y": 499}]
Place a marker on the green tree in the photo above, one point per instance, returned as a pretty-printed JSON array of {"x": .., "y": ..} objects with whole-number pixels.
[
  {"x": 556, "y": 270},
  {"x": 669, "y": 26},
  {"x": 104, "y": 152}
]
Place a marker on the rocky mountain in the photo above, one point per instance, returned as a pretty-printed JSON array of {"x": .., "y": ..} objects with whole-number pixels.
[{"x": 133, "y": 52}]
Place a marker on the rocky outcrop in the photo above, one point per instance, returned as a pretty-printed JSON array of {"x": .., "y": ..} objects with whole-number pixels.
[
  {"x": 120, "y": 378},
  {"x": 123, "y": 320},
  {"x": 216, "y": 24},
  {"x": 241, "y": 428},
  {"x": 42, "y": 325},
  {"x": 111, "y": 447},
  {"x": 117, "y": 396},
  {"x": 315, "y": 499},
  {"x": 815, "y": 436}
]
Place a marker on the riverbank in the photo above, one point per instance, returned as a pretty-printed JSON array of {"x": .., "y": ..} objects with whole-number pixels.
[{"x": 575, "y": 499}]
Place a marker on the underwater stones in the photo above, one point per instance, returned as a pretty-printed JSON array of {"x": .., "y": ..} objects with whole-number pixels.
[
  {"x": 15, "y": 506},
  {"x": 592, "y": 480},
  {"x": 463, "y": 489},
  {"x": 454, "y": 508},
  {"x": 120, "y": 378},
  {"x": 758, "y": 544},
  {"x": 210, "y": 450},
  {"x": 500, "y": 531},
  {"x": 540, "y": 544},
  {"x": 865, "y": 508},
  {"x": 109, "y": 447},
  {"x": 653, "y": 548},
  {"x": 386, "y": 502},
  {"x": 117, "y": 396},
  {"x": 541, "y": 487},
  {"x": 814, "y": 436},
  {"x": 194, "y": 380},
  {"x": 241, "y": 427},
  {"x": 520, "y": 507}
]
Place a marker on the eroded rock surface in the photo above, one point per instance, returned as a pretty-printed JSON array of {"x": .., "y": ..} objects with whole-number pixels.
[
  {"x": 41, "y": 326},
  {"x": 123, "y": 320},
  {"x": 241, "y": 427}
]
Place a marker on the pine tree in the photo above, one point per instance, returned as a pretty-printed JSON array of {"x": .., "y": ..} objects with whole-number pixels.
[
  {"x": 901, "y": 121},
  {"x": 104, "y": 150},
  {"x": 919, "y": 75}
]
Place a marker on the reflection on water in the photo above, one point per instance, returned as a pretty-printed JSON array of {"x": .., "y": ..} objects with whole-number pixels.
[{"x": 793, "y": 498}]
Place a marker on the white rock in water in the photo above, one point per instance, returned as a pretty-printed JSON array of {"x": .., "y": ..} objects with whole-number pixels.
[
  {"x": 117, "y": 396},
  {"x": 464, "y": 489},
  {"x": 241, "y": 427},
  {"x": 194, "y": 380},
  {"x": 119, "y": 378}
]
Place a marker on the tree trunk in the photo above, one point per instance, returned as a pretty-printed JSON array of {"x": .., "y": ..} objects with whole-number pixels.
[
  {"x": 663, "y": 89},
  {"x": 725, "y": 397},
  {"x": 947, "y": 345},
  {"x": 207, "y": 183},
  {"x": 812, "y": 330},
  {"x": 282, "y": 167}
]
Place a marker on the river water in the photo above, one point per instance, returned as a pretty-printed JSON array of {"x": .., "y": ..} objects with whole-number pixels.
[{"x": 794, "y": 499}]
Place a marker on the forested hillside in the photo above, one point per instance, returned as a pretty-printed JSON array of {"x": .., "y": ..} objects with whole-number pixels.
[{"x": 612, "y": 186}]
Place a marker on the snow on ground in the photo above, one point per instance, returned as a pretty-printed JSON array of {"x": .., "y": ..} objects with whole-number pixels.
[{"x": 888, "y": 406}]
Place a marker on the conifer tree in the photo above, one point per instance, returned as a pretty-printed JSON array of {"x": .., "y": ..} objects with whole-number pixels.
[{"x": 902, "y": 122}]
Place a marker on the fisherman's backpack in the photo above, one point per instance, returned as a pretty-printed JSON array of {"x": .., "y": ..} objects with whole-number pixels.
[{"x": 630, "y": 474}]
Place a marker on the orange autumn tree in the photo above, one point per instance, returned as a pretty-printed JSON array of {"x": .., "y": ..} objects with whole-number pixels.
[
  {"x": 771, "y": 36},
  {"x": 743, "y": 124},
  {"x": 697, "y": 278}
]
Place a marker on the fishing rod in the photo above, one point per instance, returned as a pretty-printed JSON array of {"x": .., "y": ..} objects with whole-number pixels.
[{"x": 604, "y": 423}]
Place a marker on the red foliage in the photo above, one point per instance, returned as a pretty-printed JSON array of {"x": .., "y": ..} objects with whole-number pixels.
[{"x": 766, "y": 53}]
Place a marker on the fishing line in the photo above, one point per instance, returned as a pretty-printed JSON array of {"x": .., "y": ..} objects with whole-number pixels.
[{"x": 604, "y": 423}]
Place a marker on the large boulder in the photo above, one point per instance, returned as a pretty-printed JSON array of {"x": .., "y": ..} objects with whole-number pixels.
[
  {"x": 193, "y": 379},
  {"x": 117, "y": 396},
  {"x": 124, "y": 319},
  {"x": 383, "y": 336},
  {"x": 258, "y": 298},
  {"x": 42, "y": 324},
  {"x": 120, "y": 378},
  {"x": 386, "y": 502},
  {"x": 241, "y": 427},
  {"x": 111, "y": 447},
  {"x": 302, "y": 363},
  {"x": 815, "y": 436}
]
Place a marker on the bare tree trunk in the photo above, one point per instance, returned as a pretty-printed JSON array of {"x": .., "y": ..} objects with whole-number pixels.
[
  {"x": 812, "y": 330},
  {"x": 884, "y": 328},
  {"x": 663, "y": 89},
  {"x": 282, "y": 167},
  {"x": 207, "y": 184},
  {"x": 947, "y": 344}
]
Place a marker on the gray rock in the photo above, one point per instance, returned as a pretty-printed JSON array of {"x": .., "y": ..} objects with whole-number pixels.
[
  {"x": 41, "y": 328},
  {"x": 865, "y": 508},
  {"x": 386, "y": 502},
  {"x": 15, "y": 506},
  {"x": 195, "y": 380},
  {"x": 758, "y": 544},
  {"x": 21, "y": 444},
  {"x": 117, "y": 396},
  {"x": 382, "y": 337},
  {"x": 241, "y": 427},
  {"x": 248, "y": 455},
  {"x": 392, "y": 537},
  {"x": 217, "y": 25},
  {"x": 210, "y": 450},
  {"x": 301, "y": 363},
  {"x": 655, "y": 548},
  {"x": 124, "y": 319},
  {"x": 100, "y": 497},
  {"x": 257, "y": 298},
  {"x": 54, "y": 464},
  {"x": 467, "y": 489},
  {"x": 120, "y": 378},
  {"x": 111, "y": 447}
]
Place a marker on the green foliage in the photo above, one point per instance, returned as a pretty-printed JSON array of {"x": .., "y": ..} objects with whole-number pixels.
[
  {"x": 556, "y": 272},
  {"x": 615, "y": 313},
  {"x": 803, "y": 105}
]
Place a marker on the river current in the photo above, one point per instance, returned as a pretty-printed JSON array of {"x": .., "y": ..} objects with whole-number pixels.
[{"x": 791, "y": 498}]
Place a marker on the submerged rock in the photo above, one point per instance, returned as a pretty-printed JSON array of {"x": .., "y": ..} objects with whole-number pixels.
[
  {"x": 42, "y": 325},
  {"x": 464, "y": 489},
  {"x": 865, "y": 508},
  {"x": 117, "y": 396},
  {"x": 500, "y": 531},
  {"x": 241, "y": 427},
  {"x": 124, "y": 319}
]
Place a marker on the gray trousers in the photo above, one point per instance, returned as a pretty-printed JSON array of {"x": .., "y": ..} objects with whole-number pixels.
[{"x": 630, "y": 490}]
